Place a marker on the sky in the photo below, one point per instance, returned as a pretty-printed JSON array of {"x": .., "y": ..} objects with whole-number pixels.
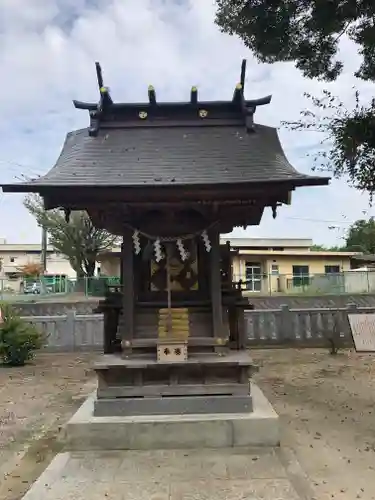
[{"x": 47, "y": 53}]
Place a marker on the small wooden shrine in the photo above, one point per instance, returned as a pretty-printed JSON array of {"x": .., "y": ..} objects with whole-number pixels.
[{"x": 169, "y": 178}]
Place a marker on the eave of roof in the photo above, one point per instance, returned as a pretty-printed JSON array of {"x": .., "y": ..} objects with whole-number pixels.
[{"x": 170, "y": 158}]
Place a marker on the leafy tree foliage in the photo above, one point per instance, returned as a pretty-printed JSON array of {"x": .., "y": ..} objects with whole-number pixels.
[
  {"x": 304, "y": 31},
  {"x": 361, "y": 236},
  {"x": 18, "y": 339},
  {"x": 322, "y": 248},
  {"x": 307, "y": 32},
  {"x": 79, "y": 240},
  {"x": 31, "y": 270},
  {"x": 351, "y": 134}
]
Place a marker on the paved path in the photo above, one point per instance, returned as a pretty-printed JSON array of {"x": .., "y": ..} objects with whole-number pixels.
[{"x": 226, "y": 474}]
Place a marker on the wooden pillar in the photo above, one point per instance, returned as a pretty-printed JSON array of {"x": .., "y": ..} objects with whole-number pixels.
[
  {"x": 215, "y": 284},
  {"x": 127, "y": 275},
  {"x": 121, "y": 261}
]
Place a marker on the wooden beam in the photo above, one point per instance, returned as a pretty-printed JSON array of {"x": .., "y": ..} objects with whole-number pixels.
[
  {"x": 89, "y": 106},
  {"x": 259, "y": 102},
  {"x": 99, "y": 75},
  {"x": 94, "y": 123},
  {"x": 243, "y": 74},
  {"x": 105, "y": 98},
  {"x": 151, "y": 95},
  {"x": 194, "y": 95},
  {"x": 79, "y": 197},
  {"x": 248, "y": 114},
  {"x": 238, "y": 94},
  {"x": 121, "y": 266},
  {"x": 215, "y": 284},
  {"x": 211, "y": 106},
  {"x": 126, "y": 322},
  {"x": 186, "y": 121}
]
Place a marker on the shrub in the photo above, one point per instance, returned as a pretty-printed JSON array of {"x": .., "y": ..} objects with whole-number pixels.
[{"x": 18, "y": 339}]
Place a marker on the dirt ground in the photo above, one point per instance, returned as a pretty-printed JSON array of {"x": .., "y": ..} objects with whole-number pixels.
[
  {"x": 327, "y": 407},
  {"x": 35, "y": 401},
  {"x": 326, "y": 404}
]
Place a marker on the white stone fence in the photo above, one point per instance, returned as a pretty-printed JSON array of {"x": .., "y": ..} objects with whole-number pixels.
[{"x": 266, "y": 327}]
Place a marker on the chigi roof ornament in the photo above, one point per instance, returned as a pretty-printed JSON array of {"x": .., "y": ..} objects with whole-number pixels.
[
  {"x": 104, "y": 103},
  {"x": 247, "y": 107},
  {"x": 154, "y": 113}
]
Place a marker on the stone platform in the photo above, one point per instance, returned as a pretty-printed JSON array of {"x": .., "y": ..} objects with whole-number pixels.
[
  {"x": 225, "y": 474},
  {"x": 259, "y": 427}
]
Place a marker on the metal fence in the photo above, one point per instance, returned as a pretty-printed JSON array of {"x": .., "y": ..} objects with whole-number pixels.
[
  {"x": 273, "y": 327},
  {"x": 51, "y": 287},
  {"x": 347, "y": 282}
]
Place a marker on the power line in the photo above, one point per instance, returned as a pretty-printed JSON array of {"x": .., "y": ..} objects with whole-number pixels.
[
  {"x": 324, "y": 221},
  {"x": 320, "y": 220},
  {"x": 28, "y": 168},
  {"x": 11, "y": 162}
]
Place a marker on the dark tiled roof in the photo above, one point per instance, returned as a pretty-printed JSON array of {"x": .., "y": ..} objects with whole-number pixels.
[{"x": 172, "y": 156}]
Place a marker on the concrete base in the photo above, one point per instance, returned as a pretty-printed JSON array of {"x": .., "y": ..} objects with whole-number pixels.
[
  {"x": 260, "y": 427},
  {"x": 193, "y": 405},
  {"x": 225, "y": 474}
]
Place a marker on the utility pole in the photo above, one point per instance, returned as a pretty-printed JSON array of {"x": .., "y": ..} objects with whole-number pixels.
[
  {"x": 43, "y": 260},
  {"x": 43, "y": 254}
]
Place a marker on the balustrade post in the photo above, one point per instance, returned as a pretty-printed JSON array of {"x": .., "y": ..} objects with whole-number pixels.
[{"x": 285, "y": 323}]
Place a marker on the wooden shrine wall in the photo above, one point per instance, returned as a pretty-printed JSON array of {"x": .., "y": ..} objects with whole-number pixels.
[{"x": 200, "y": 323}]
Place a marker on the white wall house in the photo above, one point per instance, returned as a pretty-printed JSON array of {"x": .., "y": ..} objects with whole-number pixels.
[{"x": 15, "y": 256}]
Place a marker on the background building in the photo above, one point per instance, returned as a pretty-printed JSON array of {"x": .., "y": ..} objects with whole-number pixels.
[
  {"x": 282, "y": 265},
  {"x": 262, "y": 265},
  {"x": 14, "y": 256},
  {"x": 287, "y": 265}
]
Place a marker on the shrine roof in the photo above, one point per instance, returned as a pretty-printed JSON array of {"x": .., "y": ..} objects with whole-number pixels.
[
  {"x": 170, "y": 144},
  {"x": 171, "y": 156}
]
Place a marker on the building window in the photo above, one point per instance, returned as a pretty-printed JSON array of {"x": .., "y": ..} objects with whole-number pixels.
[
  {"x": 275, "y": 270},
  {"x": 13, "y": 276},
  {"x": 12, "y": 259},
  {"x": 332, "y": 269},
  {"x": 300, "y": 275},
  {"x": 253, "y": 277}
]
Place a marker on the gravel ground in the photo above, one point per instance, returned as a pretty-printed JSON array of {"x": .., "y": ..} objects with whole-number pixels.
[
  {"x": 326, "y": 404},
  {"x": 327, "y": 407}
]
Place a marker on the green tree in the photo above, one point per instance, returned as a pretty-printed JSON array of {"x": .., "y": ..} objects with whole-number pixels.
[
  {"x": 78, "y": 239},
  {"x": 323, "y": 248},
  {"x": 307, "y": 32},
  {"x": 361, "y": 236},
  {"x": 348, "y": 146},
  {"x": 304, "y": 31}
]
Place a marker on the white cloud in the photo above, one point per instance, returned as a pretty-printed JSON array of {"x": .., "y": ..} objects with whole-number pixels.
[{"x": 47, "y": 54}]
